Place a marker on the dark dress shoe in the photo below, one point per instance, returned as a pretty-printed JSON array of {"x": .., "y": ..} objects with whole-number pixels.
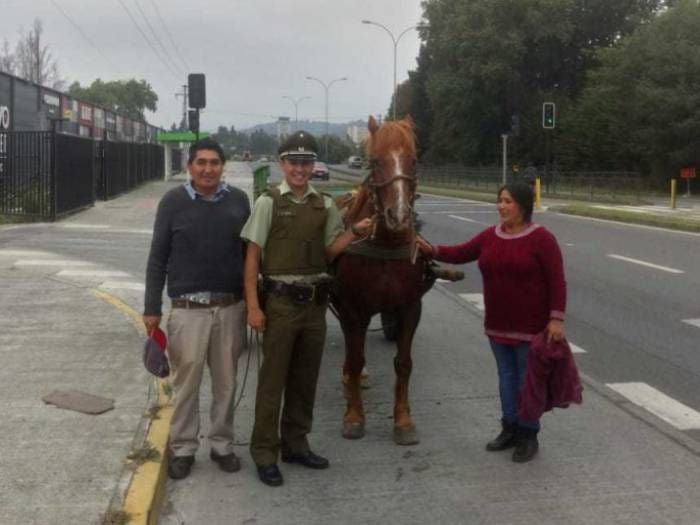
[
  {"x": 308, "y": 459},
  {"x": 227, "y": 462},
  {"x": 270, "y": 475},
  {"x": 179, "y": 467},
  {"x": 526, "y": 445},
  {"x": 505, "y": 439}
]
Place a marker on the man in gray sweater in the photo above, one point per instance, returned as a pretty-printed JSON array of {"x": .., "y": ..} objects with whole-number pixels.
[{"x": 197, "y": 248}]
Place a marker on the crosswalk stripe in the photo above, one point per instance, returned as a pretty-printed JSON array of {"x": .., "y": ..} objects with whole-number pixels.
[
  {"x": 122, "y": 285},
  {"x": 51, "y": 262},
  {"x": 92, "y": 273},
  {"x": 475, "y": 299},
  {"x": 25, "y": 253},
  {"x": 76, "y": 225},
  {"x": 692, "y": 322},
  {"x": 662, "y": 406}
]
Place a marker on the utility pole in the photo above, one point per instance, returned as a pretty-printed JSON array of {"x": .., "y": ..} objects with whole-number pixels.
[
  {"x": 504, "y": 136},
  {"x": 184, "y": 105}
]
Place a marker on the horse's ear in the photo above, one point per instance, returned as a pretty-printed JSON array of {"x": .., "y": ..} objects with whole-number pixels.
[{"x": 372, "y": 125}]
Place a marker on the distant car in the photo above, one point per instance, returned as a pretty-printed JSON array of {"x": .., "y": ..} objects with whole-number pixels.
[
  {"x": 355, "y": 162},
  {"x": 320, "y": 171}
]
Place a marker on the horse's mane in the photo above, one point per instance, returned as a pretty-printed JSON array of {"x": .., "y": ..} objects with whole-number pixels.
[{"x": 391, "y": 135}]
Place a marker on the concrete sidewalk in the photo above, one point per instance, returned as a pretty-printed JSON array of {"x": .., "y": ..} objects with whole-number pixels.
[{"x": 72, "y": 296}]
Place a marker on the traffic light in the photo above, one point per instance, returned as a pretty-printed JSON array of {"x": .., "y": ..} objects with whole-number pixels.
[
  {"x": 515, "y": 125},
  {"x": 197, "y": 90},
  {"x": 193, "y": 120},
  {"x": 549, "y": 110}
]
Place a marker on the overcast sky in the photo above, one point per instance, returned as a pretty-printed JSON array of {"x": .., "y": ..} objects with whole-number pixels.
[{"x": 253, "y": 52}]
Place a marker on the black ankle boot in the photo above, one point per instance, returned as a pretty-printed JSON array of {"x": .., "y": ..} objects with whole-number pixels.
[
  {"x": 526, "y": 445},
  {"x": 505, "y": 439}
]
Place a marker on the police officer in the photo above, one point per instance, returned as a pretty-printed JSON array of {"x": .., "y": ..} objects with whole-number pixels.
[{"x": 293, "y": 233}]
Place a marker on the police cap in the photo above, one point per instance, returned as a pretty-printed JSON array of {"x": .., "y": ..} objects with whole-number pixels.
[{"x": 299, "y": 145}]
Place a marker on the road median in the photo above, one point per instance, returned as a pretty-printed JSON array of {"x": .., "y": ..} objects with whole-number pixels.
[{"x": 646, "y": 217}]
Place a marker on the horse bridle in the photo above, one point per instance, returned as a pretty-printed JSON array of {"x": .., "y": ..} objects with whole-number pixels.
[{"x": 375, "y": 186}]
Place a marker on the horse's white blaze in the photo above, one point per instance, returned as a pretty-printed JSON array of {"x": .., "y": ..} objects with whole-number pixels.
[{"x": 402, "y": 203}]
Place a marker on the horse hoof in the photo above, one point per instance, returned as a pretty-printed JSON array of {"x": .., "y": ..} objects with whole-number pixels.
[
  {"x": 406, "y": 435},
  {"x": 353, "y": 430}
]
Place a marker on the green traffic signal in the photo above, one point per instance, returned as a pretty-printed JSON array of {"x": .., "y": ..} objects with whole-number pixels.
[{"x": 548, "y": 115}]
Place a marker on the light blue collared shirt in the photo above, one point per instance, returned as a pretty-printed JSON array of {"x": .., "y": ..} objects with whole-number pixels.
[{"x": 222, "y": 190}]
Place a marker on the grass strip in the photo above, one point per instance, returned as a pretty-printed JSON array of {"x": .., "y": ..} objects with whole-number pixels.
[{"x": 647, "y": 219}]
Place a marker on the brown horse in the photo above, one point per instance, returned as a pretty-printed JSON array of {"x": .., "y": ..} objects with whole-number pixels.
[{"x": 382, "y": 274}]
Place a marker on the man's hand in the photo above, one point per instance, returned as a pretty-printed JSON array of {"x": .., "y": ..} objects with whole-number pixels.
[
  {"x": 151, "y": 322},
  {"x": 256, "y": 319},
  {"x": 362, "y": 228}
]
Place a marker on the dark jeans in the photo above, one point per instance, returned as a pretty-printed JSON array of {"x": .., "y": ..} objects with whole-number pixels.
[{"x": 511, "y": 361}]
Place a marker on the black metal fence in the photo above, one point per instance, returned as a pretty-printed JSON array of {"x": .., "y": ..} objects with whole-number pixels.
[
  {"x": 45, "y": 175},
  {"x": 569, "y": 184}
]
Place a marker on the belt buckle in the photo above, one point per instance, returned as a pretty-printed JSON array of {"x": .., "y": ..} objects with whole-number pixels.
[{"x": 302, "y": 297}]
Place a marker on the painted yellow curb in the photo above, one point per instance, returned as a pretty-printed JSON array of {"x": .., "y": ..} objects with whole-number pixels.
[{"x": 144, "y": 496}]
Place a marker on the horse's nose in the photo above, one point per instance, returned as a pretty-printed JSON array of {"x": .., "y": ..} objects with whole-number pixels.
[{"x": 396, "y": 219}]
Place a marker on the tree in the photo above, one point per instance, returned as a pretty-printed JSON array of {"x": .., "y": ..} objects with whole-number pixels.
[
  {"x": 34, "y": 61},
  {"x": 338, "y": 149},
  {"x": 641, "y": 108},
  {"x": 485, "y": 60},
  {"x": 262, "y": 143},
  {"x": 128, "y": 97},
  {"x": 8, "y": 63}
]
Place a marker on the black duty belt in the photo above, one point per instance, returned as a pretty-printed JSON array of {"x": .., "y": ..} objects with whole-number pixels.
[
  {"x": 221, "y": 301},
  {"x": 300, "y": 293}
]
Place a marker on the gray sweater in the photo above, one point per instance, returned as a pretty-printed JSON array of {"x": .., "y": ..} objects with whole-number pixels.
[{"x": 196, "y": 245}]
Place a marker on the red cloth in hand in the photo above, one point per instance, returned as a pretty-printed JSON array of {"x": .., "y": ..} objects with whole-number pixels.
[{"x": 551, "y": 379}]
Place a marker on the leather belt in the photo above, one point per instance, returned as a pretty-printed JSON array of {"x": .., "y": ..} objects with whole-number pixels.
[
  {"x": 220, "y": 301},
  {"x": 300, "y": 293}
]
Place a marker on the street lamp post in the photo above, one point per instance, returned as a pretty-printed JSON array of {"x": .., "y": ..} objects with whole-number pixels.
[
  {"x": 326, "y": 87},
  {"x": 296, "y": 102},
  {"x": 395, "y": 40}
]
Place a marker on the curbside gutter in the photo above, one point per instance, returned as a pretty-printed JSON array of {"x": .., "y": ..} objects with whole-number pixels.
[{"x": 143, "y": 497}]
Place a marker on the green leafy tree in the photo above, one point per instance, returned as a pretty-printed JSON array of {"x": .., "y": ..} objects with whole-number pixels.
[
  {"x": 128, "y": 97},
  {"x": 641, "y": 107},
  {"x": 338, "y": 149},
  {"x": 262, "y": 143},
  {"x": 486, "y": 60}
]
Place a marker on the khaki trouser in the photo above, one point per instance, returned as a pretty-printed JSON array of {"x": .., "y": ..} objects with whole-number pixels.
[
  {"x": 195, "y": 336},
  {"x": 292, "y": 349}
]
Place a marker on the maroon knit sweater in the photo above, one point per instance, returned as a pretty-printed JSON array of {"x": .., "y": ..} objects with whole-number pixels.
[{"x": 523, "y": 276}]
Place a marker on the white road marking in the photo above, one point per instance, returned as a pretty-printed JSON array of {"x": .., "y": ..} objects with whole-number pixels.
[
  {"x": 442, "y": 281},
  {"x": 51, "y": 262},
  {"x": 664, "y": 407},
  {"x": 575, "y": 349},
  {"x": 693, "y": 322},
  {"x": 465, "y": 219},
  {"x": 78, "y": 225},
  {"x": 25, "y": 253},
  {"x": 92, "y": 273},
  {"x": 122, "y": 285},
  {"x": 644, "y": 263},
  {"x": 570, "y": 244},
  {"x": 475, "y": 299}
]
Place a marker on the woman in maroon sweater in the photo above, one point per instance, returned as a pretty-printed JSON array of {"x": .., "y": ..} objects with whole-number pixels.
[{"x": 524, "y": 294}]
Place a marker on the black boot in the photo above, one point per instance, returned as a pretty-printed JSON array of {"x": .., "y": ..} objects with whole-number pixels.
[
  {"x": 505, "y": 439},
  {"x": 526, "y": 445}
]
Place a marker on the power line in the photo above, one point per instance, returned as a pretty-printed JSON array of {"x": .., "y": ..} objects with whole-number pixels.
[
  {"x": 82, "y": 33},
  {"x": 157, "y": 39},
  {"x": 170, "y": 36},
  {"x": 150, "y": 44}
]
